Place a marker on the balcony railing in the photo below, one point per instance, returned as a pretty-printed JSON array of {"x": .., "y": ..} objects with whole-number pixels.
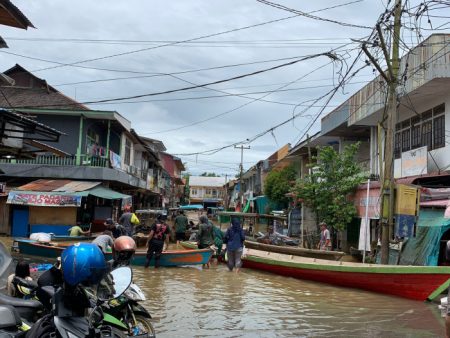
[{"x": 86, "y": 160}]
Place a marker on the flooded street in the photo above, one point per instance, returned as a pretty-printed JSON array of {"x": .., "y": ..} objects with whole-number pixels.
[{"x": 189, "y": 302}]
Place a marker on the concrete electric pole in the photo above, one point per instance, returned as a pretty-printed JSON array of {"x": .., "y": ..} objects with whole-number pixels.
[
  {"x": 241, "y": 169},
  {"x": 390, "y": 116}
]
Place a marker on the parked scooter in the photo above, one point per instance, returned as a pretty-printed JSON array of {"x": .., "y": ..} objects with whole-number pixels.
[
  {"x": 11, "y": 325},
  {"x": 127, "y": 309},
  {"x": 28, "y": 309},
  {"x": 69, "y": 321},
  {"x": 79, "y": 327}
]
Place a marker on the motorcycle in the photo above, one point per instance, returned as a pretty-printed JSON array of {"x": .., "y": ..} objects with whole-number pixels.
[
  {"x": 11, "y": 325},
  {"x": 123, "y": 313},
  {"x": 128, "y": 310},
  {"x": 69, "y": 321}
]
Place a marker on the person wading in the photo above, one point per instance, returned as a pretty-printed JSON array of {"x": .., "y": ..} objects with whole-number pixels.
[
  {"x": 205, "y": 235},
  {"x": 181, "y": 222},
  {"x": 325, "y": 239},
  {"x": 234, "y": 238},
  {"x": 159, "y": 234}
]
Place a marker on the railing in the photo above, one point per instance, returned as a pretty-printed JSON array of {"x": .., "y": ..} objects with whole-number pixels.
[
  {"x": 86, "y": 160},
  {"x": 94, "y": 161}
]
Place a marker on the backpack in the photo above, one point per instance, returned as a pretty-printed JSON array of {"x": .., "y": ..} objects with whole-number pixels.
[{"x": 160, "y": 231}]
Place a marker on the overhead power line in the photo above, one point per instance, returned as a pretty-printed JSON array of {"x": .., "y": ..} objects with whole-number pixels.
[
  {"x": 330, "y": 55},
  {"x": 310, "y": 16},
  {"x": 191, "y": 39},
  {"x": 238, "y": 107}
]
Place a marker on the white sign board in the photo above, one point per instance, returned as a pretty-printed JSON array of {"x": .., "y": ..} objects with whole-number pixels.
[{"x": 415, "y": 162}]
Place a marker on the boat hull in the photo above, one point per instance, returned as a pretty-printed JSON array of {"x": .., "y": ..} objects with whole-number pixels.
[
  {"x": 297, "y": 251},
  {"x": 168, "y": 258},
  {"x": 413, "y": 282}
]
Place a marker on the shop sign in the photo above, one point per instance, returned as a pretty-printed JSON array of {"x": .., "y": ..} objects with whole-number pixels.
[{"x": 43, "y": 199}]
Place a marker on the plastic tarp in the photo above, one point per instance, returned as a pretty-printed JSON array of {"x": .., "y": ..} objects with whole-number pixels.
[
  {"x": 261, "y": 204},
  {"x": 424, "y": 248},
  {"x": 191, "y": 207},
  {"x": 106, "y": 193}
]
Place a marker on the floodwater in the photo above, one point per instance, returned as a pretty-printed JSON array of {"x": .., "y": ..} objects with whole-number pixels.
[{"x": 191, "y": 302}]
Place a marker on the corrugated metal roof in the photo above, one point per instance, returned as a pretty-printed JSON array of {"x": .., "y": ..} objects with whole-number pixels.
[
  {"x": 43, "y": 185},
  {"x": 58, "y": 185},
  {"x": 77, "y": 186},
  {"x": 18, "y": 116}
]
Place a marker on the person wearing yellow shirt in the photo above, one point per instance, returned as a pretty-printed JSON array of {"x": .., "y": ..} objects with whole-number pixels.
[{"x": 77, "y": 231}]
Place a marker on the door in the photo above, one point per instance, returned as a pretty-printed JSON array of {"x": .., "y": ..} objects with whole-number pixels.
[{"x": 20, "y": 223}]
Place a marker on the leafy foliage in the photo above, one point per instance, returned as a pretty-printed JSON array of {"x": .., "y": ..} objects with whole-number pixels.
[
  {"x": 333, "y": 178},
  {"x": 206, "y": 174},
  {"x": 278, "y": 183}
]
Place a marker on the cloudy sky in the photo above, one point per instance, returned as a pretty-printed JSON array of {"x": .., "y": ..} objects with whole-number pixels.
[{"x": 133, "y": 44}]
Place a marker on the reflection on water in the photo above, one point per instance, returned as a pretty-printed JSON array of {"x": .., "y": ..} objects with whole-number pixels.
[{"x": 190, "y": 302}]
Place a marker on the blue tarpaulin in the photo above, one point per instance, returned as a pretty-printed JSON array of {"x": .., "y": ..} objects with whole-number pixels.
[
  {"x": 424, "y": 248},
  {"x": 191, "y": 207}
]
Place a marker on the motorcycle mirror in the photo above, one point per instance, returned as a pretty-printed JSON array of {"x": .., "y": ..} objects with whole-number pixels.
[{"x": 117, "y": 282}]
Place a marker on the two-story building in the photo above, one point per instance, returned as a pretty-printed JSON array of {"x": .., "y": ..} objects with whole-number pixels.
[
  {"x": 208, "y": 191},
  {"x": 94, "y": 145},
  {"x": 421, "y": 146}
]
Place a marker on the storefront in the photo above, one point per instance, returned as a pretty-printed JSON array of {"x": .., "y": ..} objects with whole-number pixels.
[{"x": 66, "y": 204}]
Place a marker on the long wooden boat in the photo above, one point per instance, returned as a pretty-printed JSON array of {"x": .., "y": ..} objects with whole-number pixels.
[
  {"x": 168, "y": 258},
  {"x": 413, "y": 282},
  {"x": 296, "y": 251}
]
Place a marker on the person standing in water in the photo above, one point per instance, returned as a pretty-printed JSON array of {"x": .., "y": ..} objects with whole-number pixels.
[{"x": 234, "y": 239}]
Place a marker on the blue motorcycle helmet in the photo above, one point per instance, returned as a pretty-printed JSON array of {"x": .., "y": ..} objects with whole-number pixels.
[{"x": 83, "y": 263}]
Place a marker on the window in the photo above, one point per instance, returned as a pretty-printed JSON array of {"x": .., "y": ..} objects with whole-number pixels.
[
  {"x": 127, "y": 158},
  {"x": 194, "y": 192},
  {"x": 397, "y": 145},
  {"x": 406, "y": 145},
  {"x": 92, "y": 142},
  {"x": 439, "y": 132},
  {"x": 426, "y": 129},
  {"x": 415, "y": 136},
  {"x": 426, "y": 134}
]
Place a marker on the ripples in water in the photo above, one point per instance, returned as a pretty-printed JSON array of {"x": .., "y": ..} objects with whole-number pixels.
[{"x": 190, "y": 302}]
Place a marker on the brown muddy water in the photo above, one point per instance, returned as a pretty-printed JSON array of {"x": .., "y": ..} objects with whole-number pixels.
[{"x": 191, "y": 302}]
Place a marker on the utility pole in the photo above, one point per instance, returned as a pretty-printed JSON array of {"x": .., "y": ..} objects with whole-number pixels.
[
  {"x": 241, "y": 169},
  {"x": 390, "y": 116}
]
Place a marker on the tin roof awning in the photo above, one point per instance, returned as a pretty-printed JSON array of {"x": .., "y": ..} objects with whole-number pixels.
[
  {"x": 46, "y": 147},
  {"x": 29, "y": 128},
  {"x": 61, "y": 193}
]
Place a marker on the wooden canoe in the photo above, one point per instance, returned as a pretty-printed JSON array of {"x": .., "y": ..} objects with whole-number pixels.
[
  {"x": 168, "y": 258},
  {"x": 413, "y": 282},
  {"x": 296, "y": 251}
]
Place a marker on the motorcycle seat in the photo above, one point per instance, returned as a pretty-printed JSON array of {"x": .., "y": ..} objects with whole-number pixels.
[
  {"x": 18, "y": 302},
  {"x": 9, "y": 317}
]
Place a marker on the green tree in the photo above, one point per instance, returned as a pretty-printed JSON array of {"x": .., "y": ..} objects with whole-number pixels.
[
  {"x": 278, "y": 183},
  {"x": 206, "y": 174},
  {"x": 332, "y": 180}
]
